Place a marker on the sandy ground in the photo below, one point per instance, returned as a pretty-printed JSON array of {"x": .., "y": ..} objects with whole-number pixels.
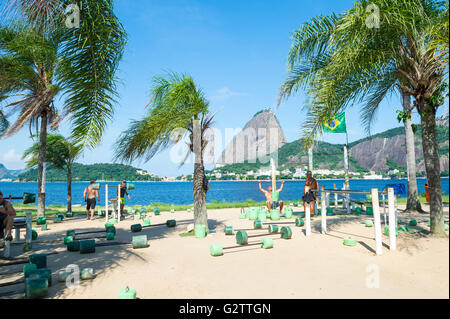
[{"x": 318, "y": 266}]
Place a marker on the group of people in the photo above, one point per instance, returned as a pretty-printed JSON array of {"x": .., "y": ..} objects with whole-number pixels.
[
  {"x": 90, "y": 195},
  {"x": 308, "y": 196}
]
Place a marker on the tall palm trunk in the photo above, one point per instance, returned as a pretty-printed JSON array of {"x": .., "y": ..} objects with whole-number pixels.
[
  {"x": 69, "y": 187},
  {"x": 432, "y": 166},
  {"x": 413, "y": 203},
  {"x": 200, "y": 214},
  {"x": 199, "y": 189},
  {"x": 41, "y": 161}
]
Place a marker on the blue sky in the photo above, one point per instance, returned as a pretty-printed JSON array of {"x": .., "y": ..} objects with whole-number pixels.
[{"x": 235, "y": 50}]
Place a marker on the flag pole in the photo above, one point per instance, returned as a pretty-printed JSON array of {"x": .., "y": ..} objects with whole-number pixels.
[{"x": 347, "y": 179}]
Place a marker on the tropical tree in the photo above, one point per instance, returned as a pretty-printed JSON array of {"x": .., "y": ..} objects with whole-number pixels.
[
  {"x": 178, "y": 110},
  {"x": 60, "y": 154},
  {"x": 3, "y": 123},
  {"x": 310, "y": 53},
  {"x": 365, "y": 57},
  {"x": 43, "y": 58}
]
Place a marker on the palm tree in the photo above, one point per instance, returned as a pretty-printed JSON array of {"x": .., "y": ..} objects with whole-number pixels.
[
  {"x": 60, "y": 154},
  {"x": 179, "y": 109},
  {"x": 363, "y": 64},
  {"x": 3, "y": 123},
  {"x": 310, "y": 53},
  {"x": 41, "y": 59}
]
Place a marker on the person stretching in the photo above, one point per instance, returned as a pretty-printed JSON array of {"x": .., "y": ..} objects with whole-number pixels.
[
  {"x": 268, "y": 194},
  {"x": 7, "y": 214},
  {"x": 90, "y": 201},
  {"x": 308, "y": 195}
]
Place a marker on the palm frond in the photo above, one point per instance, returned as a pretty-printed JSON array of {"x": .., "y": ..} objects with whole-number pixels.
[
  {"x": 176, "y": 102},
  {"x": 91, "y": 59}
]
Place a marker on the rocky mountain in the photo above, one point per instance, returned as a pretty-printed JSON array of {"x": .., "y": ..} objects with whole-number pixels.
[
  {"x": 380, "y": 152},
  {"x": 260, "y": 136},
  {"x": 5, "y": 173},
  {"x": 375, "y": 152}
]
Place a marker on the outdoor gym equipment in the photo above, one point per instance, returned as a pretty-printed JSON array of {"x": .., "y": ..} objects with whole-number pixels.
[
  {"x": 217, "y": 249},
  {"x": 242, "y": 236},
  {"x": 27, "y": 198},
  {"x": 229, "y": 230},
  {"x": 88, "y": 246},
  {"x": 19, "y": 223},
  {"x": 38, "y": 259},
  {"x": 298, "y": 222},
  {"x": 108, "y": 229},
  {"x": 135, "y": 228},
  {"x": 116, "y": 201}
]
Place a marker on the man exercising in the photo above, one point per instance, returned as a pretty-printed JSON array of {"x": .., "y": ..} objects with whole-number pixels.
[
  {"x": 268, "y": 194},
  {"x": 90, "y": 199},
  {"x": 123, "y": 191},
  {"x": 7, "y": 214},
  {"x": 308, "y": 196}
]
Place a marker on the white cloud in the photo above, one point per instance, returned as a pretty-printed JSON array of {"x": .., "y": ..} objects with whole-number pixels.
[
  {"x": 225, "y": 93},
  {"x": 12, "y": 160}
]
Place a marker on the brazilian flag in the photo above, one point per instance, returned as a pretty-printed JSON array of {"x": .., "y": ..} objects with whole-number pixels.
[{"x": 335, "y": 124}]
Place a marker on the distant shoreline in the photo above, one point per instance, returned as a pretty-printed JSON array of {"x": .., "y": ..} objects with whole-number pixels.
[{"x": 253, "y": 180}]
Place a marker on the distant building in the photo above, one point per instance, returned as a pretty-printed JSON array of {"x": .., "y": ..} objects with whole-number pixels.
[
  {"x": 373, "y": 176},
  {"x": 142, "y": 172},
  {"x": 266, "y": 172}
]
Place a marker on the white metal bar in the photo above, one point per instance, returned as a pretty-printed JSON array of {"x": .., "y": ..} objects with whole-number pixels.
[
  {"x": 335, "y": 200},
  {"x": 106, "y": 202},
  {"x": 274, "y": 177},
  {"x": 392, "y": 218},
  {"x": 308, "y": 220},
  {"x": 310, "y": 159},
  {"x": 16, "y": 235},
  {"x": 29, "y": 220},
  {"x": 377, "y": 221},
  {"x": 119, "y": 203},
  {"x": 324, "y": 213},
  {"x": 7, "y": 249}
]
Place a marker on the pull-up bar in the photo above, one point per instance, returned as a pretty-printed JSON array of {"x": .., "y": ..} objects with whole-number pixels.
[
  {"x": 347, "y": 191},
  {"x": 28, "y": 198}
]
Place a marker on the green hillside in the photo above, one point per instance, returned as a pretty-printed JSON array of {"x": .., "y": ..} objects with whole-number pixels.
[
  {"x": 294, "y": 154},
  {"x": 330, "y": 156},
  {"x": 80, "y": 172}
]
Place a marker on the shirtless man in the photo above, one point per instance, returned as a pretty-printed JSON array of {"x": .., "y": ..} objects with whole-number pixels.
[
  {"x": 90, "y": 200},
  {"x": 268, "y": 194},
  {"x": 7, "y": 214},
  {"x": 308, "y": 195},
  {"x": 123, "y": 192}
]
